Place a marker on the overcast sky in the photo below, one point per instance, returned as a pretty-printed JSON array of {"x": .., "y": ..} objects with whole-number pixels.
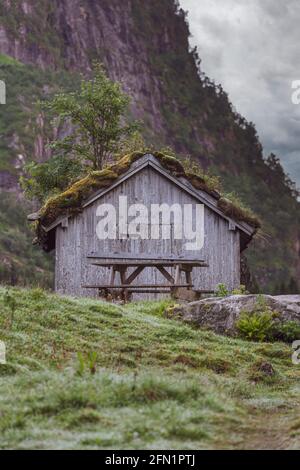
[{"x": 252, "y": 47}]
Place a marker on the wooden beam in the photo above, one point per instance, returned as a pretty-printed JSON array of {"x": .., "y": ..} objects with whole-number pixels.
[
  {"x": 137, "y": 286},
  {"x": 133, "y": 275},
  {"x": 232, "y": 226},
  {"x": 188, "y": 277},
  {"x": 177, "y": 274},
  {"x": 112, "y": 276},
  {"x": 166, "y": 274},
  {"x": 65, "y": 222},
  {"x": 147, "y": 263},
  {"x": 144, "y": 256},
  {"x": 122, "y": 271}
]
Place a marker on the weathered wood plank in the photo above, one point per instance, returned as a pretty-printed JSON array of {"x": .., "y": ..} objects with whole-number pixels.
[
  {"x": 133, "y": 275},
  {"x": 144, "y": 256},
  {"x": 149, "y": 263},
  {"x": 166, "y": 274},
  {"x": 136, "y": 286}
]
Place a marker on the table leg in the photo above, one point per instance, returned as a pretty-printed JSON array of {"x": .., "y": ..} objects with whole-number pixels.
[
  {"x": 188, "y": 277},
  {"x": 166, "y": 274},
  {"x": 112, "y": 276},
  {"x": 122, "y": 271},
  {"x": 177, "y": 274},
  {"x": 176, "y": 280}
]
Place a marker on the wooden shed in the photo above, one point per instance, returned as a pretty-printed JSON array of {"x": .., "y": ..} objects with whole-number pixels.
[{"x": 85, "y": 262}]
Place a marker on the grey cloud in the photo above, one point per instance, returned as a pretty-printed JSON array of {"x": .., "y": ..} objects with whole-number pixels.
[{"x": 252, "y": 49}]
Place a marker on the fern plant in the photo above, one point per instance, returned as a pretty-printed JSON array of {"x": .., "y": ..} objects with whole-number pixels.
[{"x": 255, "y": 326}]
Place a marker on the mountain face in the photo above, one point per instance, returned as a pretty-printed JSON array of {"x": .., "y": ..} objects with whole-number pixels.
[{"x": 143, "y": 44}]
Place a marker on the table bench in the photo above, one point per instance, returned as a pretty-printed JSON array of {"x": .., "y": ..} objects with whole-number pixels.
[{"x": 121, "y": 262}]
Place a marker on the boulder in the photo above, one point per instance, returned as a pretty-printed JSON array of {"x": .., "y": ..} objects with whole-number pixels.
[{"x": 221, "y": 313}]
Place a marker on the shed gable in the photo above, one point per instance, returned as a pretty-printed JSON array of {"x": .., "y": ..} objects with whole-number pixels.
[
  {"x": 147, "y": 186},
  {"x": 150, "y": 161}
]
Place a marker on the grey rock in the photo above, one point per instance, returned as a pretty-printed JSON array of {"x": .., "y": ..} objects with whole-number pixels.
[{"x": 220, "y": 314}]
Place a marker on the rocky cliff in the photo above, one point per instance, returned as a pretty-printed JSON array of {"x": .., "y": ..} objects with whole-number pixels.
[{"x": 144, "y": 45}]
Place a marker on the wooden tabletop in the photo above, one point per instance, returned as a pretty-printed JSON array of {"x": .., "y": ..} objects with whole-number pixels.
[{"x": 143, "y": 260}]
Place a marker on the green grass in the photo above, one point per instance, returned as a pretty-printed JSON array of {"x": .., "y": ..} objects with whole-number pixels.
[
  {"x": 158, "y": 383},
  {"x": 8, "y": 60}
]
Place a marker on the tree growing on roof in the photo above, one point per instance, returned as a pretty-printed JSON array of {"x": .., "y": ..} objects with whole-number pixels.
[{"x": 96, "y": 116}]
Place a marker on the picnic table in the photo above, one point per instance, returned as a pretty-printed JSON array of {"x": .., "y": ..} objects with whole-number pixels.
[{"x": 122, "y": 262}]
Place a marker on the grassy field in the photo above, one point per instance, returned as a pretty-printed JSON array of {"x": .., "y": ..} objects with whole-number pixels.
[{"x": 85, "y": 374}]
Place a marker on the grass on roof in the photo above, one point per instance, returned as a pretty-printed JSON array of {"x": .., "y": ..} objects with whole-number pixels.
[{"x": 70, "y": 201}]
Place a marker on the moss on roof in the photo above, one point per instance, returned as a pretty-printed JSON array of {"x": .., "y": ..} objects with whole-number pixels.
[
  {"x": 70, "y": 201},
  {"x": 238, "y": 213}
]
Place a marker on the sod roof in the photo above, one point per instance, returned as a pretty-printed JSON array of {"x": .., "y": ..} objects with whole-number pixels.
[{"x": 70, "y": 202}]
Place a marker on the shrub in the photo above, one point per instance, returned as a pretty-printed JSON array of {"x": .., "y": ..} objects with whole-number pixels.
[
  {"x": 240, "y": 290},
  {"x": 49, "y": 178},
  {"x": 222, "y": 291},
  {"x": 287, "y": 332},
  {"x": 263, "y": 324},
  {"x": 255, "y": 326}
]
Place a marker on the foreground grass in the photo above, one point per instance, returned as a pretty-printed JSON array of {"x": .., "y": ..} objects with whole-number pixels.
[{"x": 155, "y": 382}]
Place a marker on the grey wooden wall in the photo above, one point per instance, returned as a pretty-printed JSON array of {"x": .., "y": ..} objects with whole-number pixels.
[{"x": 221, "y": 246}]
